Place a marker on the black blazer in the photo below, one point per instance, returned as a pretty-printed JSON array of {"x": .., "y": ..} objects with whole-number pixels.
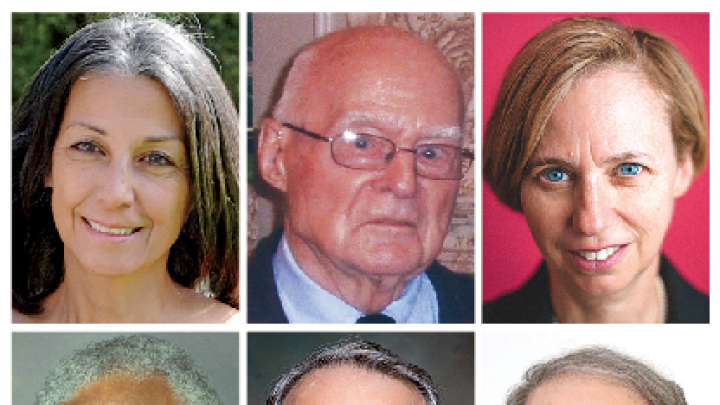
[
  {"x": 531, "y": 303},
  {"x": 455, "y": 292}
]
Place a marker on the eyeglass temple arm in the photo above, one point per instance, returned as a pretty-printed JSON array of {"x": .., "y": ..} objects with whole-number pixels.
[{"x": 306, "y": 132}]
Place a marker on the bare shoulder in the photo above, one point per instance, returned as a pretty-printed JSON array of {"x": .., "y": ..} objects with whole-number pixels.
[
  {"x": 202, "y": 309},
  {"x": 19, "y": 317}
]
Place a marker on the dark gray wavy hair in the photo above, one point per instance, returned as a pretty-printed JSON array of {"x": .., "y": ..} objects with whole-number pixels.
[
  {"x": 140, "y": 354},
  {"x": 363, "y": 354},
  {"x": 605, "y": 363},
  {"x": 206, "y": 252}
]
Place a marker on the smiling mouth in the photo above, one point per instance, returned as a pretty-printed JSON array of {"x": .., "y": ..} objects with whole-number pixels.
[
  {"x": 597, "y": 255},
  {"x": 110, "y": 231}
]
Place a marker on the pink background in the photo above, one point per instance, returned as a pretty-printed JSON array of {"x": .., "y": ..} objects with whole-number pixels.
[{"x": 509, "y": 254}]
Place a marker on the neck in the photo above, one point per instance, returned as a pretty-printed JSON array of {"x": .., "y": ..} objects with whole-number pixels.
[
  {"x": 363, "y": 290},
  {"x": 86, "y": 297},
  {"x": 643, "y": 301}
]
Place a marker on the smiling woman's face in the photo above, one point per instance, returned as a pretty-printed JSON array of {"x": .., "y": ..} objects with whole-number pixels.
[
  {"x": 601, "y": 185},
  {"x": 121, "y": 191}
]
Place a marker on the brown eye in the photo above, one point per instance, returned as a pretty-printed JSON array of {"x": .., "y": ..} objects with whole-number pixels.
[
  {"x": 158, "y": 159},
  {"x": 86, "y": 146}
]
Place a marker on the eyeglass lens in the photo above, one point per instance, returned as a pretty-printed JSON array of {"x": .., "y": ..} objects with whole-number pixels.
[{"x": 363, "y": 151}]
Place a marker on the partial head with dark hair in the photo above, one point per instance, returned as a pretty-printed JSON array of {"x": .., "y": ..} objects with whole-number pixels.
[
  {"x": 362, "y": 367},
  {"x": 166, "y": 60},
  {"x": 610, "y": 372}
]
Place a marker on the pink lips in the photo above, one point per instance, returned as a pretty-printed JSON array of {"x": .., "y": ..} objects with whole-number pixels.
[{"x": 597, "y": 265}]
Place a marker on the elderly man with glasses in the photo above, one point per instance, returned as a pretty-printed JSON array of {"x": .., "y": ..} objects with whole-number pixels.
[{"x": 365, "y": 145}]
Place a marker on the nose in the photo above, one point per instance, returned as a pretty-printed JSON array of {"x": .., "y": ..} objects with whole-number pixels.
[
  {"x": 116, "y": 187},
  {"x": 592, "y": 206},
  {"x": 400, "y": 176}
]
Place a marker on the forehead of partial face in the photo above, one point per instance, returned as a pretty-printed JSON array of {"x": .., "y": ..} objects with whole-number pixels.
[
  {"x": 350, "y": 385},
  {"x": 126, "y": 389},
  {"x": 611, "y": 111},
  {"x": 381, "y": 64},
  {"x": 582, "y": 389}
]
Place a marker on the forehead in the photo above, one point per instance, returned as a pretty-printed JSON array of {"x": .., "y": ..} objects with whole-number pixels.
[
  {"x": 349, "y": 385},
  {"x": 122, "y": 388},
  {"x": 403, "y": 83},
  {"x": 583, "y": 390},
  {"x": 609, "y": 111}
]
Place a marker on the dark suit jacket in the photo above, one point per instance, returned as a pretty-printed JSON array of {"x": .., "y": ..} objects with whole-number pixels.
[
  {"x": 531, "y": 303},
  {"x": 455, "y": 292}
]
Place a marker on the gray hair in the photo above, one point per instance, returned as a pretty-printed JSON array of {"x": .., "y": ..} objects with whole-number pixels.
[
  {"x": 605, "y": 363},
  {"x": 363, "y": 354},
  {"x": 143, "y": 45},
  {"x": 143, "y": 355}
]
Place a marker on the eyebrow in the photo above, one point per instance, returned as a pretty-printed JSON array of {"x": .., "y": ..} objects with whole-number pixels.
[
  {"x": 614, "y": 159},
  {"x": 386, "y": 121},
  {"x": 149, "y": 139}
]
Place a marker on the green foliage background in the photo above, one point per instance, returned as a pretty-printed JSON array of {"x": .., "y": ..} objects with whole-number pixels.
[{"x": 36, "y": 36}]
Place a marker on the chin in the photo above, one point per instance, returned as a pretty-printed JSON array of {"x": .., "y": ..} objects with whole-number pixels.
[
  {"x": 392, "y": 262},
  {"x": 110, "y": 266}
]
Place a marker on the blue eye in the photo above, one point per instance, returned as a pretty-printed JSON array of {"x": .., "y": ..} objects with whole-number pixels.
[
  {"x": 630, "y": 169},
  {"x": 556, "y": 175}
]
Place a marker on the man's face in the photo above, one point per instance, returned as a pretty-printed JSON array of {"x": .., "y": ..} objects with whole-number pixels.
[
  {"x": 348, "y": 385},
  {"x": 387, "y": 222}
]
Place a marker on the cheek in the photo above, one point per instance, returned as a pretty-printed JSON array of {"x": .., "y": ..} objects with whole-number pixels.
[
  {"x": 166, "y": 199},
  {"x": 437, "y": 203},
  {"x": 649, "y": 209},
  {"x": 545, "y": 213}
]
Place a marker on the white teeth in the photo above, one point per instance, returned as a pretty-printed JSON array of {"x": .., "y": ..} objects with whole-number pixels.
[
  {"x": 110, "y": 231},
  {"x": 598, "y": 254}
]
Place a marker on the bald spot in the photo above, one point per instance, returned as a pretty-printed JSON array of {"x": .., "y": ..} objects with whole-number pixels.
[{"x": 372, "y": 53}]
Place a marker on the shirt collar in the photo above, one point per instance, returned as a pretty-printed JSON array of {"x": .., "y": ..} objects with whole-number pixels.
[{"x": 304, "y": 301}]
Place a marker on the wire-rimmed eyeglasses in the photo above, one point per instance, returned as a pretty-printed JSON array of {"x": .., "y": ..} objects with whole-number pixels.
[{"x": 370, "y": 152}]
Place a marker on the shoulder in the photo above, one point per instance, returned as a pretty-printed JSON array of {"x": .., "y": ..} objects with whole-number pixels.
[
  {"x": 529, "y": 304},
  {"x": 685, "y": 303},
  {"x": 198, "y": 308},
  {"x": 266, "y": 248},
  {"x": 455, "y": 294},
  {"x": 263, "y": 302},
  {"x": 19, "y": 317}
]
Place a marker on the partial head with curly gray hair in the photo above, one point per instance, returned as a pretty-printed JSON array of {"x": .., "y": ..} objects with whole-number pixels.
[
  {"x": 361, "y": 354},
  {"x": 140, "y": 356},
  {"x": 602, "y": 363}
]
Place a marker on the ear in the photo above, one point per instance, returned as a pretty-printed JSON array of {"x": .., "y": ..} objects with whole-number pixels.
[
  {"x": 684, "y": 176},
  {"x": 271, "y": 143}
]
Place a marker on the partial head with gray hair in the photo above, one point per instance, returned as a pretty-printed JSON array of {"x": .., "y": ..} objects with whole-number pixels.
[
  {"x": 135, "y": 45},
  {"x": 603, "y": 364},
  {"x": 139, "y": 357},
  {"x": 363, "y": 355}
]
